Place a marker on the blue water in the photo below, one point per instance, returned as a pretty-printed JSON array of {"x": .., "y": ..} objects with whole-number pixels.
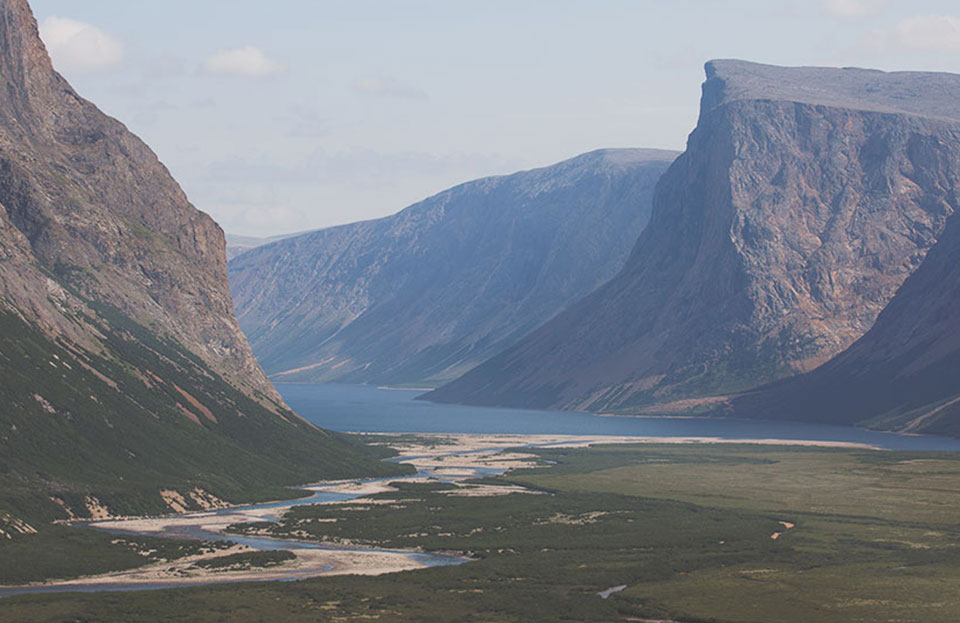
[{"x": 353, "y": 408}]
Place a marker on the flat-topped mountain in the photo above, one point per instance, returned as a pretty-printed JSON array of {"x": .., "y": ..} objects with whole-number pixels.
[
  {"x": 123, "y": 370},
  {"x": 925, "y": 94},
  {"x": 805, "y": 198},
  {"x": 424, "y": 295}
]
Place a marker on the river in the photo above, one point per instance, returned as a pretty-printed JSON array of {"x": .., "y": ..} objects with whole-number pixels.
[{"x": 211, "y": 526}]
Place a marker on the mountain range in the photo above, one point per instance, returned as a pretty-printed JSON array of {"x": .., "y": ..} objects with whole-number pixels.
[
  {"x": 424, "y": 295},
  {"x": 807, "y": 202}
]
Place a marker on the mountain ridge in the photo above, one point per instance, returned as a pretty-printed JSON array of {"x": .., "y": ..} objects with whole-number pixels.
[
  {"x": 433, "y": 289},
  {"x": 775, "y": 240}
]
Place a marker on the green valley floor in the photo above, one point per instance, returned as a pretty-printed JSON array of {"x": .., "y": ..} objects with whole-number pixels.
[{"x": 703, "y": 532}]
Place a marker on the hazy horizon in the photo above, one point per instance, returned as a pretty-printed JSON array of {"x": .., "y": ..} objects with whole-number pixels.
[{"x": 293, "y": 116}]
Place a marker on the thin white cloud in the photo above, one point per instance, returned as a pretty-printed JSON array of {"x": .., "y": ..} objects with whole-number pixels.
[
  {"x": 853, "y": 9},
  {"x": 248, "y": 61},
  {"x": 78, "y": 46},
  {"x": 387, "y": 87}
]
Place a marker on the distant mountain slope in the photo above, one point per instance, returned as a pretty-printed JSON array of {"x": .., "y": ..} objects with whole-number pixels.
[
  {"x": 423, "y": 295},
  {"x": 805, "y": 198},
  {"x": 122, "y": 368},
  {"x": 904, "y": 374}
]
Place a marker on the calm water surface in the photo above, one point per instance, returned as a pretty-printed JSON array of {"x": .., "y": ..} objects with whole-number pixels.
[{"x": 373, "y": 410}]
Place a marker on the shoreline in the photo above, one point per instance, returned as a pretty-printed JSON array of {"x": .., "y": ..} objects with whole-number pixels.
[{"x": 484, "y": 440}]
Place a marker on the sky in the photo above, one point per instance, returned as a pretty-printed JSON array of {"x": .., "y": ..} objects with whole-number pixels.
[{"x": 292, "y": 115}]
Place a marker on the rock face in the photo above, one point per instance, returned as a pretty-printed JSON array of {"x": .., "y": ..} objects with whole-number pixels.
[
  {"x": 804, "y": 200},
  {"x": 903, "y": 375},
  {"x": 422, "y": 296},
  {"x": 95, "y": 206},
  {"x": 120, "y": 355}
]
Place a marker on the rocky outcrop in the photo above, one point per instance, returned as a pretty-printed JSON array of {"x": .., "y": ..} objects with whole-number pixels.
[
  {"x": 424, "y": 295},
  {"x": 805, "y": 198},
  {"x": 122, "y": 366}
]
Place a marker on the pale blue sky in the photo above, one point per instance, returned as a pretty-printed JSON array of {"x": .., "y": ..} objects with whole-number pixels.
[{"x": 292, "y": 114}]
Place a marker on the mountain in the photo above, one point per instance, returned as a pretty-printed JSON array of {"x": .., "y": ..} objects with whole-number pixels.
[
  {"x": 123, "y": 371},
  {"x": 903, "y": 375},
  {"x": 804, "y": 200},
  {"x": 426, "y": 294}
]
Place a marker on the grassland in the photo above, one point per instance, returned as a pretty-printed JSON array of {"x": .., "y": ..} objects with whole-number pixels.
[{"x": 688, "y": 529}]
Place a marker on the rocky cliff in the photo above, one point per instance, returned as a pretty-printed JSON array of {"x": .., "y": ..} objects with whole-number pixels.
[
  {"x": 903, "y": 375},
  {"x": 122, "y": 366},
  {"x": 805, "y": 198},
  {"x": 98, "y": 209},
  {"x": 424, "y": 295}
]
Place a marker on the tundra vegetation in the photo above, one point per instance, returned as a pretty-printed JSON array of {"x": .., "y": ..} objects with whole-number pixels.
[{"x": 731, "y": 533}]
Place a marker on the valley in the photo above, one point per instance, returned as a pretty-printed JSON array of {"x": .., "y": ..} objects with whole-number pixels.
[
  {"x": 660, "y": 382},
  {"x": 692, "y": 532}
]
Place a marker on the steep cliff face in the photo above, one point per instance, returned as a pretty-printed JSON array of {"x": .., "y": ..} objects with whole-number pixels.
[
  {"x": 122, "y": 366},
  {"x": 903, "y": 375},
  {"x": 805, "y": 198},
  {"x": 426, "y": 294},
  {"x": 99, "y": 211}
]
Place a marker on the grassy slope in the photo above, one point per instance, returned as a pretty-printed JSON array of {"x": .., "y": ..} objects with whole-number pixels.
[
  {"x": 124, "y": 437},
  {"x": 76, "y": 424},
  {"x": 688, "y": 530}
]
